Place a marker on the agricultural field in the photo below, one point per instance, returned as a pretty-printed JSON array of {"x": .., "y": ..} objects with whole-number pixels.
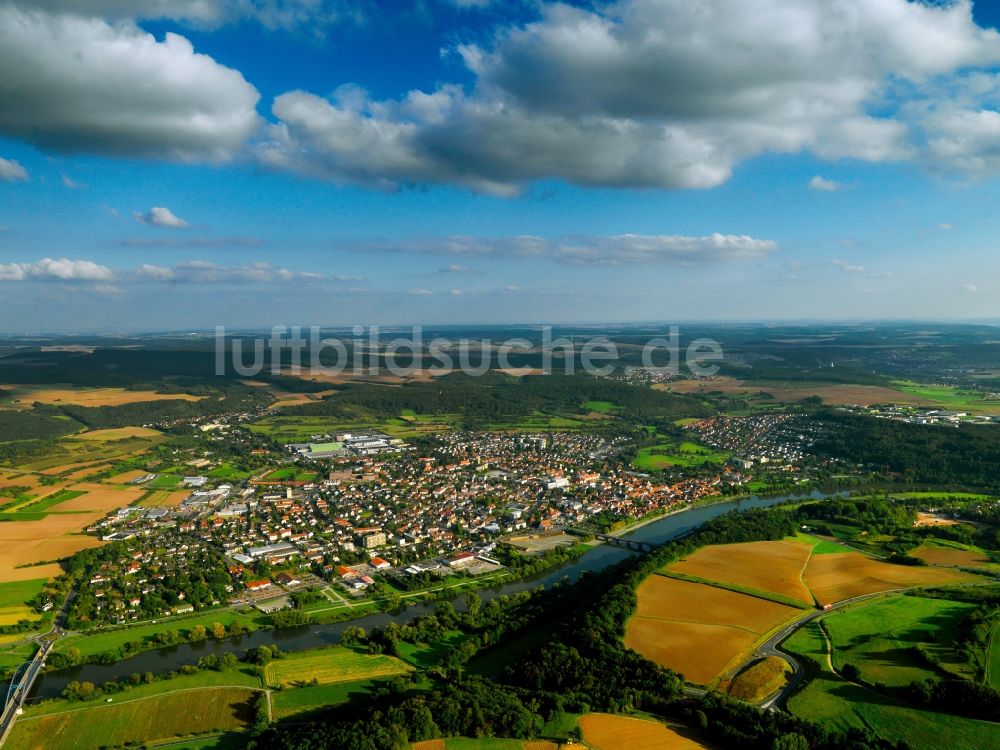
[
  {"x": 689, "y": 627},
  {"x": 759, "y": 680},
  {"x": 993, "y": 659},
  {"x": 14, "y": 595},
  {"x": 838, "y": 576},
  {"x": 841, "y": 705},
  {"x": 609, "y": 732},
  {"x": 774, "y": 567},
  {"x": 142, "y": 720},
  {"x": 487, "y": 743},
  {"x": 878, "y": 637},
  {"x": 331, "y": 665},
  {"x": 683, "y": 454},
  {"x": 951, "y": 554},
  {"x": 36, "y": 543},
  {"x": 303, "y": 699},
  {"x": 23, "y": 397}
]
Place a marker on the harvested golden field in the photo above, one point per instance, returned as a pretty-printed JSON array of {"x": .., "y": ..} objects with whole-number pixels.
[
  {"x": 698, "y": 651},
  {"x": 25, "y": 396},
  {"x": 766, "y": 566},
  {"x": 933, "y": 519},
  {"x": 50, "y": 538},
  {"x": 759, "y": 680},
  {"x": 87, "y": 471},
  {"x": 100, "y": 497},
  {"x": 118, "y": 433},
  {"x": 608, "y": 732},
  {"x": 13, "y": 479},
  {"x": 838, "y": 576},
  {"x": 671, "y": 599},
  {"x": 950, "y": 556},
  {"x": 696, "y": 629},
  {"x": 429, "y": 745}
]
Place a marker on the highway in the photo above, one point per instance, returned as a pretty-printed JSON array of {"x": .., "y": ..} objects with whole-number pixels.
[{"x": 17, "y": 698}]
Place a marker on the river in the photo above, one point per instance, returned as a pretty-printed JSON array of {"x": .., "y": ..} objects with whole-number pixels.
[{"x": 163, "y": 660}]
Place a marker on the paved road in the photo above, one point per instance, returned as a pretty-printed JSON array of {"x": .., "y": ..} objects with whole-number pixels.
[
  {"x": 20, "y": 695},
  {"x": 770, "y": 646}
]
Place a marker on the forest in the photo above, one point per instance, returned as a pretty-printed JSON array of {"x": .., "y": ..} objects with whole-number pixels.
[{"x": 967, "y": 455}]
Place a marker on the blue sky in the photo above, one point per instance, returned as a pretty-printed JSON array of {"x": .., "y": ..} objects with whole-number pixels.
[{"x": 609, "y": 162}]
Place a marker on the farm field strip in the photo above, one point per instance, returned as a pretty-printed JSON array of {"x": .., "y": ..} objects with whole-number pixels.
[
  {"x": 773, "y": 567},
  {"x": 689, "y": 627},
  {"x": 834, "y": 577},
  {"x": 610, "y": 732},
  {"x": 143, "y": 720},
  {"x": 332, "y": 665}
]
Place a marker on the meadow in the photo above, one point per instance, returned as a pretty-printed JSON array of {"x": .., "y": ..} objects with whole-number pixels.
[
  {"x": 878, "y": 637},
  {"x": 611, "y": 732},
  {"x": 138, "y": 720},
  {"x": 993, "y": 659},
  {"x": 303, "y": 699},
  {"x": 13, "y": 596},
  {"x": 841, "y": 705},
  {"x": 684, "y": 454},
  {"x": 331, "y": 665},
  {"x": 697, "y": 630},
  {"x": 112, "y": 640}
]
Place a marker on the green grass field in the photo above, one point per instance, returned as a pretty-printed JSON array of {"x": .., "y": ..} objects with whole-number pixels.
[
  {"x": 142, "y": 720},
  {"x": 601, "y": 407},
  {"x": 18, "y": 592},
  {"x": 430, "y": 655},
  {"x": 165, "y": 482},
  {"x": 331, "y": 665},
  {"x": 949, "y": 397},
  {"x": 840, "y": 705},
  {"x": 112, "y": 640},
  {"x": 487, "y": 743},
  {"x": 878, "y": 637},
  {"x": 292, "y": 474},
  {"x": 685, "y": 454},
  {"x": 993, "y": 659},
  {"x": 822, "y": 546},
  {"x": 13, "y": 598},
  {"x": 298, "y": 700}
]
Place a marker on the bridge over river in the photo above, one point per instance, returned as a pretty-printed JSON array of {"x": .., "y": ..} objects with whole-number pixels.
[{"x": 636, "y": 545}]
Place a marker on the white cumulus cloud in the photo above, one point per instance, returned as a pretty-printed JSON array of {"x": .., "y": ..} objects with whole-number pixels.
[
  {"x": 668, "y": 94},
  {"x": 51, "y": 269},
  {"x": 824, "y": 185},
  {"x": 72, "y": 83},
  {"x": 158, "y": 216},
  {"x": 12, "y": 171}
]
